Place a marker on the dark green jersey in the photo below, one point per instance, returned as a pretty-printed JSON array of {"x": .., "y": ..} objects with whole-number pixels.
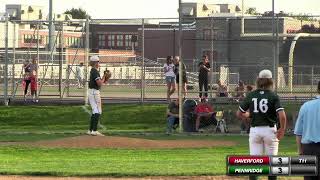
[
  {"x": 263, "y": 106},
  {"x": 94, "y": 75}
]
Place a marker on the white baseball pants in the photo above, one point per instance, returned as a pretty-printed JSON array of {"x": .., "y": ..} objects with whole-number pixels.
[
  {"x": 263, "y": 140},
  {"x": 95, "y": 101}
]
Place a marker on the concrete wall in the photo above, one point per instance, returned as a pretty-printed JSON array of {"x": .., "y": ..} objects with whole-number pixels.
[
  {"x": 25, "y": 12},
  {"x": 164, "y": 42},
  {"x": 12, "y": 33}
]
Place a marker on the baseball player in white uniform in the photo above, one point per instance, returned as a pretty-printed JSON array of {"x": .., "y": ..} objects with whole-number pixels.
[
  {"x": 95, "y": 83},
  {"x": 263, "y": 107}
]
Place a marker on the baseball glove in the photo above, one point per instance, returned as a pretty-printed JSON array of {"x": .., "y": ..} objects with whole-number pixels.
[{"x": 106, "y": 75}]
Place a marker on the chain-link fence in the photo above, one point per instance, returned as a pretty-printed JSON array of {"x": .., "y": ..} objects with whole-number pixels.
[{"x": 135, "y": 51}]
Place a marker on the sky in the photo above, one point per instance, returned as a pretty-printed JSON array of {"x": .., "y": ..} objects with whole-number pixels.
[{"x": 121, "y": 9}]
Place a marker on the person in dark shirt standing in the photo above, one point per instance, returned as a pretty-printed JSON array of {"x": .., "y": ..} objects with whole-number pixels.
[
  {"x": 95, "y": 83},
  {"x": 204, "y": 69},
  {"x": 26, "y": 81},
  {"x": 184, "y": 75}
]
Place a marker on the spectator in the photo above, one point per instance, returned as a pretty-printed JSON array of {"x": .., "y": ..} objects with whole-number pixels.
[
  {"x": 170, "y": 77},
  {"x": 240, "y": 90},
  {"x": 204, "y": 69},
  {"x": 249, "y": 88},
  {"x": 34, "y": 65},
  {"x": 26, "y": 78},
  {"x": 205, "y": 114},
  {"x": 172, "y": 115},
  {"x": 34, "y": 79},
  {"x": 184, "y": 75},
  {"x": 307, "y": 130},
  {"x": 79, "y": 74},
  {"x": 33, "y": 86},
  {"x": 222, "y": 90}
]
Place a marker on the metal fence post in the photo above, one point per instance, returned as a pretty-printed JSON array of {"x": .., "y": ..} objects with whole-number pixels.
[
  {"x": 86, "y": 59},
  {"x": 6, "y": 102},
  {"x": 181, "y": 129},
  {"x": 61, "y": 62},
  {"x": 68, "y": 80},
  {"x": 143, "y": 65},
  {"x": 13, "y": 60},
  {"x": 277, "y": 54},
  {"x": 38, "y": 60},
  {"x": 211, "y": 43}
]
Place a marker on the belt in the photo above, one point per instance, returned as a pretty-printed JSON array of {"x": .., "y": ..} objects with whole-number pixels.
[{"x": 273, "y": 125}]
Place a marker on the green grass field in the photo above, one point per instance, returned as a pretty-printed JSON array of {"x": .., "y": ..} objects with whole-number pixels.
[
  {"x": 126, "y": 162},
  {"x": 32, "y": 123}
]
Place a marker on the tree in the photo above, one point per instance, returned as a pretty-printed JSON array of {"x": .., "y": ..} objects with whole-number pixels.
[
  {"x": 302, "y": 17},
  {"x": 309, "y": 29},
  {"x": 252, "y": 11},
  {"x": 78, "y": 13}
]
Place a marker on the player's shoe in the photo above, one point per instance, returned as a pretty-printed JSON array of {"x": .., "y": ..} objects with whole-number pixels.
[
  {"x": 88, "y": 132},
  {"x": 96, "y": 133}
]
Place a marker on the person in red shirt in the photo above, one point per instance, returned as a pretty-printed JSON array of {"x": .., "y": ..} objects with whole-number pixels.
[{"x": 205, "y": 113}]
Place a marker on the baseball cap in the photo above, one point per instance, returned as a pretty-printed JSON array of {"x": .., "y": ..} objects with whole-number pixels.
[
  {"x": 94, "y": 58},
  {"x": 265, "y": 74}
]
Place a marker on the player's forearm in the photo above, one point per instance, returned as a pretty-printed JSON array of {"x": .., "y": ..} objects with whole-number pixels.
[
  {"x": 242, "y": 115},
  {"x": 99, "y": 82},
  {"x": 298, "y": 141},
  {"x": 283, "y": 120}
]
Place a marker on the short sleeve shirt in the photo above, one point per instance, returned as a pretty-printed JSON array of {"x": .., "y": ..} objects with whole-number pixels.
[
  {"x": 170, "y": 69},
  {"x": 263, "y": 106},
  {"x": 94, "y": 75}
]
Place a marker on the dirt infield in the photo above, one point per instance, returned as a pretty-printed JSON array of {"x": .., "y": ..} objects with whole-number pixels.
[
  {"x": 123, "y": 178},
  {"x": 86, "y": 141}
]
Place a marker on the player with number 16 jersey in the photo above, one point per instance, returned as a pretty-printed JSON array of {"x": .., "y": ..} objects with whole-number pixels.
[{"x": 263, "y": 107}]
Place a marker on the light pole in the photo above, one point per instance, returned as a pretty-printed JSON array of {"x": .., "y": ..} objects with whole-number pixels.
[
  {"x": 51, "y": 30},
  {"x": 275, "y": 48},
  {"x": 242, "y": 18}
]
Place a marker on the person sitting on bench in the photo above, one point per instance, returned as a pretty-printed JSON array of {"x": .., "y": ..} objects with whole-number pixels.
[
  {"x": 172, "y": 115},
  {"x": 205, "y": 114}
]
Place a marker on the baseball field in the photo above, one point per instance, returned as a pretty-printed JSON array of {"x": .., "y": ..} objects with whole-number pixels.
[{"x": 49, "y": 142}]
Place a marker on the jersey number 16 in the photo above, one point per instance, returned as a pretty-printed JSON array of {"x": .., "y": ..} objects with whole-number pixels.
[{"x": 262, "y": 105}]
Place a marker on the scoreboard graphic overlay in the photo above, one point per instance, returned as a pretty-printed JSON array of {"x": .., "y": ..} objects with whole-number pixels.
[{"x": 272, "y": 165}]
